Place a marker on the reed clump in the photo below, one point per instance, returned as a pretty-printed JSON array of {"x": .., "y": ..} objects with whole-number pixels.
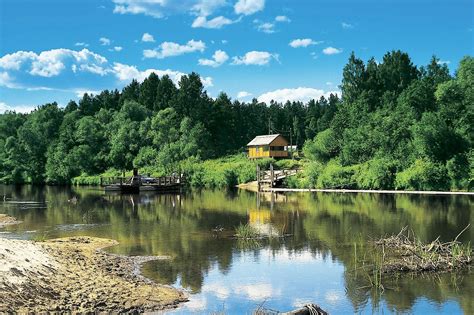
[
  {"x": 246, "y": 232},
  {"x": 409, "y": 254}
]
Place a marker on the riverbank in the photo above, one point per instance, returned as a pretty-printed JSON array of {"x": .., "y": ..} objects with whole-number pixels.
[
  {"x": 415, "y": 192},
  {"x": 75, "y": 275}
]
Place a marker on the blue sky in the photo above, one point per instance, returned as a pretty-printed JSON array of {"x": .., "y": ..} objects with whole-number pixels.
[{"x": 54, "y": 50}]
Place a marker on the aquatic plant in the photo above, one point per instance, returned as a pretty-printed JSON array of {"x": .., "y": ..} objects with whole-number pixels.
[{"x": 246, "y": 231}]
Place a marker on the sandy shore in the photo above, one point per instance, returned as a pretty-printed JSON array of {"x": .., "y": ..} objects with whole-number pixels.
[{"x": 74, "y": 275}]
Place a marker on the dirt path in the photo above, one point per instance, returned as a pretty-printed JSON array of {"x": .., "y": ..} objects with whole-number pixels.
[{"x": 73, "y": 274}]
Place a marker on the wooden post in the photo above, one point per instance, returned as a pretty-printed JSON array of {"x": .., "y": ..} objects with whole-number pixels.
[
  {"x": 258, "y": 177},
  {"x": 272, "y": 174}
]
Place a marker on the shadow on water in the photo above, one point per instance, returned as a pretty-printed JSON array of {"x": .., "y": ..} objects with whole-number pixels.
[{"x": 316, "y": 263}]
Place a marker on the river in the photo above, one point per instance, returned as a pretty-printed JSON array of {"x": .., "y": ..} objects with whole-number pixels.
[{"x": 327, "y": 237}]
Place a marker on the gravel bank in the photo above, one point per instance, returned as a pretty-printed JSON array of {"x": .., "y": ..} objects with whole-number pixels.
[{"x": 74, "y": 275}]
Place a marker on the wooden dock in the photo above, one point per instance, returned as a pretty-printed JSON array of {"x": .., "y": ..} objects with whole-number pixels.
[
  {"x": 137, "y": 183},
  {"x": 267, "y": 179}
]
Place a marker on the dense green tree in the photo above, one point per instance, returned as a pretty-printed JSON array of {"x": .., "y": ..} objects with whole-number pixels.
[{"x": 395, "y": 126}]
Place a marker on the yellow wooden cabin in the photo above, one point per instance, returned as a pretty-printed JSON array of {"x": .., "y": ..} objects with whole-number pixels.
[{"x": 275, "y": 146}]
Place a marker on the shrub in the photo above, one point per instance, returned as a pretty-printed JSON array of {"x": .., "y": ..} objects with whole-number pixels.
[
  {"x": 323, "y": 147},
  {"x": 458, "y": 171},
  {"x": 376, "y": 174},
  {"x": 334, "y": 175},
  {"x": 423, "y": 175}
]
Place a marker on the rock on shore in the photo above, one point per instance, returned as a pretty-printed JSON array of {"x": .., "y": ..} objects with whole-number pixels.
[
  {"x": 7, "y": 220},
  {"x": 74, "y": 275}
]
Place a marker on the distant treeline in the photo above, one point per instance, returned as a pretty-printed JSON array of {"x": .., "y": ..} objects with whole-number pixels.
[{"x": 396, "y": 126}]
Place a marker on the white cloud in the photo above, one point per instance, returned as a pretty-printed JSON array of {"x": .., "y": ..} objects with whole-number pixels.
[
  {"x": 207, "y": 82},
  {"x": 116, "y": 48},
  {"x": 243, "y": 94},
  {"x": 443, "y": 62},
  {"x": 282, "y": 18},
  {"x": 248, "y": 7},
  {"x": 329, "y": 83},
  {"x": 81, "y": 44},
  {"x": 303, "y": 94},
  {"x": 126, "y": 73},
  {"x": 346, "y": 25},
  {"x": 258, "y": 58},
  {"x": 216, "y": 23},
  {"x": 104, "y": 41},
  {"x": 224, "y": 41},
  {"x": 92, "y": 68},
  {"x": 303, "y": 42},
  {"x": 169, "y": 49},
  {"x": 331, "y": 51},
  {"x": 51, "y": 62},
  {"x": 6, "y": 80},
  {"x": 266, "y": 27},
  {"x": 159, "y": 8},
  {"x": 148, "y": 38},
  {"x": 81, "y": 92},
  {"x": 218, "y": 59},
  {"x": 207, "y": 7},
  {"x": 17, "y": 108},
  {"x": 151, "y": 8}
]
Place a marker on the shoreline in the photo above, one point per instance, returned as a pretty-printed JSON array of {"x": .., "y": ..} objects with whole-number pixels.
[
  {"x": 412, "y": 192},
  {"x": 74, "y": 274}
]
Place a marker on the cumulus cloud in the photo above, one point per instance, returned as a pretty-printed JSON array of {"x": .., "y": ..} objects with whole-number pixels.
[
  {"x": 258, "y": 58},
  {"x": 151, "y": 8},
  {"x": 218, "y": 59},
  {"x": 126, "y": 73},
  {"x": 331, "y": 51},
  {"x": 81, "y": 92},
  {"x": 17, "y": 108},
  {"x": 104, "y": 41},
  {"x": 216, "y": 23},
  {"x": 160, "y": 8},
  {"x": 51, "y": 62},
  {"x": 6, "y": 80},
  {"x": 282, "y": 18},
  {"x": 170, "y": 49},
  {"x": 303, "y": 94},
  {"x": 243, "y": 94},
  {"x": 346, "y": 25},
  {"x": 148, "y": 38},
  {"x": 248, "y": 7},
  {"x": 303, "y": 42}
]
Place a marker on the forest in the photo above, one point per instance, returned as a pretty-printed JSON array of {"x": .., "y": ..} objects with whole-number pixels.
[{"x": 394, "y": 126}]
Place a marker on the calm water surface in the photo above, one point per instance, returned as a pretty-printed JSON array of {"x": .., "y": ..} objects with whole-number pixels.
[{"x": 318, "y": 262}]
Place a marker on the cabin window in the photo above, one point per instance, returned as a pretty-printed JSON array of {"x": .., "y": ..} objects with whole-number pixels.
[
  {"x": 266, "y": 148},
  {"x": 278, "y": 148}
]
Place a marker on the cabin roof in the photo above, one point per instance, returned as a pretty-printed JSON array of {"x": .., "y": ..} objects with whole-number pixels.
[{"x": 263, "y": 140}]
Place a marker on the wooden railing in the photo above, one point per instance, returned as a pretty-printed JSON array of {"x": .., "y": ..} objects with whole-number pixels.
[{"x": 272, "y": 177}]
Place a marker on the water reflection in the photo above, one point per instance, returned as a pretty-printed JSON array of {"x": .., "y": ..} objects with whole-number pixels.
[{"x": 316, "y": 263}]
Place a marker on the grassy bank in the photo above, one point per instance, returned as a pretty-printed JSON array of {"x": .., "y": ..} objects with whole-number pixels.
[
  {"x": 237, "y": 169},
  {"x": 377, "y": 174}
]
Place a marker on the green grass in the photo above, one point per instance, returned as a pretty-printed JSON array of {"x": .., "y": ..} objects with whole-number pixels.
[{"x": 246, "y": 231}]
